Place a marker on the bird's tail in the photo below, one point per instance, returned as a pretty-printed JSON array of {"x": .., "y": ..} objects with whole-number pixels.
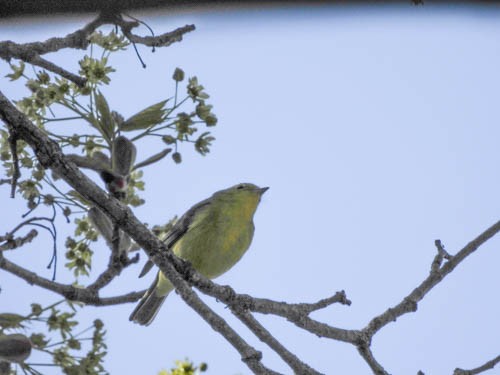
[{"x": 148, "y": 307}]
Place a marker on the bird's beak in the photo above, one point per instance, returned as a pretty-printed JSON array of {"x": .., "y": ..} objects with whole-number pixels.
[{"x": 263, "y": 190}]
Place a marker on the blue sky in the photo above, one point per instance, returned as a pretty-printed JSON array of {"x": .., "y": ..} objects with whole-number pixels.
[{"x": 376, "y": 129}]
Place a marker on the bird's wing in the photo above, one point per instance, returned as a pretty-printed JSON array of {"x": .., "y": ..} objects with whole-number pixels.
[
  {"x": 180, "y": 227},
  {"x": 184, "y": 223}
]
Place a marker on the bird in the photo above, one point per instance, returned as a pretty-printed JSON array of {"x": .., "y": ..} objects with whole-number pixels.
[{"x": 212, "y": 235}]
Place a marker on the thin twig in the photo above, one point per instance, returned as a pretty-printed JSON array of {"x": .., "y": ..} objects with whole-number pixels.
[
  {"x": 410, "y": 302},
  {"x": 113, "y": 270},
  {"x": 51, "y": 67},
  {"x": 265, "y": 336},
  {"x": 367, "y": 355},
  {"x": 487, "y": 366},
  {"x": 14, "y": 243},
  {"x": 440, "y": 256},
  {"x": 15, "y": 163},
  {"x": 162, "y": 40},
  {"x": 85, "y": 295},
  {"x": 31, "y": 52}
]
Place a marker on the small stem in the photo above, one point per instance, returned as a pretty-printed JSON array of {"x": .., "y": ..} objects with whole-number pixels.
[{"x": 15, "y": 162}]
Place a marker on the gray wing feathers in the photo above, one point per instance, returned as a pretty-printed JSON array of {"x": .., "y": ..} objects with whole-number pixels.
[
  {"x": 183, "y": 223},
  {"x": 179, "y": 228},
  {"x": 148, "y": 307}
]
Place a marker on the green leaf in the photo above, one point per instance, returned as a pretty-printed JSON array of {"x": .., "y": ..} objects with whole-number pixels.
[
  {"x": 38, "y": 340},
  {"x": 95, "y": 163},
  {"x": 11, "y": 320},
  {"x": 107, "y": 124},
  {"x": 203, "y": 143},
  {"x": 93, "y": 122},
  {"x": 153, "y": 159},
  {"x": 17, "y": 71},
  {"x": 150, "y": 116}
]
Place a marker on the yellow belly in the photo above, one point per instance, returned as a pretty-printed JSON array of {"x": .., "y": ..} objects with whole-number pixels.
[
  {"x": 214, "y": 243},
  {"x": 214, "y": 252}
]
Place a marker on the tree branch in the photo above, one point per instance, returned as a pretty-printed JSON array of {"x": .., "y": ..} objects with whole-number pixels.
[
  {"x": 295, "y": 313},
  {"x": 15, "y": 242},
  {"x": 31, "y": 52},
  {"x": 163, "y": 40},
  {"x": 487, "y": 366},
  {"x": 265, "y": 336},
  {"x": 437, "y": 274},
  {"x": 114, "y": 269},
  {"x": 15, "y": 163},
  {"x": 118, "y": 300},
  {"x": 85, "y": 295},
  {"x": 51, "y": 67},
  {"x": 367, "y": 355}
]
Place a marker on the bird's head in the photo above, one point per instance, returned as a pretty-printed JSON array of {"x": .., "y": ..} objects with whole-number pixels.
[{"x": 245, "y": 194}]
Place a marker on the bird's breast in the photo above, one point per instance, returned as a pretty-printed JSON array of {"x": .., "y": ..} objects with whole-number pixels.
[{"x": 217, "y": 241}]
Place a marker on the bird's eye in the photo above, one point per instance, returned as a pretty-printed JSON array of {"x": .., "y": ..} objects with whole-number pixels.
[{"x": 240, "y": 187}]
